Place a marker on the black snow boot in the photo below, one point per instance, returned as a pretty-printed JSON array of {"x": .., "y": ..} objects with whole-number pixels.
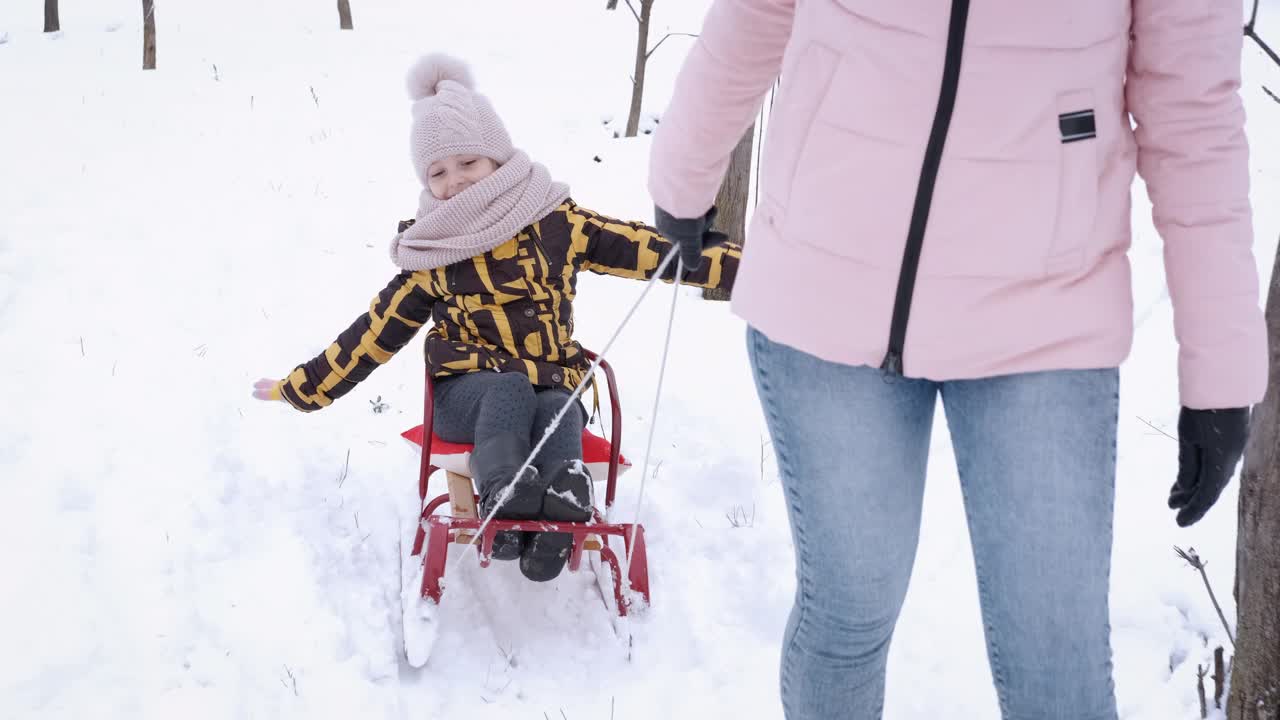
[
  {"x": 567, "y": 499},
  {"x": 494, "y": 463}
]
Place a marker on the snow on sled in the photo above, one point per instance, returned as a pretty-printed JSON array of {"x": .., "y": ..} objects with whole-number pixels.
[{"x": 458, "y": 523}]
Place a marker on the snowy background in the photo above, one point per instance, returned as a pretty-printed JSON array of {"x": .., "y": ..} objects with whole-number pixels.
[{"x": 171, "y": 547}]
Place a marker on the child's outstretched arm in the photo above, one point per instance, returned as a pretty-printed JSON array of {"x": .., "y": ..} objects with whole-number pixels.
[
  {"x": 634, "y": 250},
  {"x": 394, "y": 317}
]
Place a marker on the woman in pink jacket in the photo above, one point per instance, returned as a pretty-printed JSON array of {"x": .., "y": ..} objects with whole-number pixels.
[{"x": 945, "y": 213}]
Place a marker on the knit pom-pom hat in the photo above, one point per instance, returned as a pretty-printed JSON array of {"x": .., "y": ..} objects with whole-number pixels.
[{"x": 449, "y": 116}]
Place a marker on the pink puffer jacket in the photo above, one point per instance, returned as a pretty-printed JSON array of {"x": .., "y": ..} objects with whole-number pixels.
[{"x": 945, "y": 189}]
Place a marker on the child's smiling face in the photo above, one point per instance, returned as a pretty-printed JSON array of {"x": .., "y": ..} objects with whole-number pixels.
[{"x": 451, "y": 175}]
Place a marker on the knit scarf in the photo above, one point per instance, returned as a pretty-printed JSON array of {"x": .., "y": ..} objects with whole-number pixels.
[{"x": 480, "y": 218}]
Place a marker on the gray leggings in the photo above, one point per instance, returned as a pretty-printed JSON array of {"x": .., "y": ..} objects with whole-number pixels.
[{"x": 474, "y": 407}]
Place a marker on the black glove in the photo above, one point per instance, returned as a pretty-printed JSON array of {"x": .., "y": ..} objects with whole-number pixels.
[
  {"x": 1210, "y": 444},
  {"x": 692, "y": 236}
]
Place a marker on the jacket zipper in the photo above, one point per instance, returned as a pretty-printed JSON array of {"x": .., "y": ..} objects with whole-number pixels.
[
  {"x": 893, "y": 362},
  {"x": 537, "y": 240}
]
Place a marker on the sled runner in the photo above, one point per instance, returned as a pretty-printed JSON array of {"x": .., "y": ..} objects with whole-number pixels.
[{"x": 460, "y": 525}]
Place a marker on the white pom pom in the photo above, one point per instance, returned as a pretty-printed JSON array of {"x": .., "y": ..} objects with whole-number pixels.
[{"x": 430, "y": 70}]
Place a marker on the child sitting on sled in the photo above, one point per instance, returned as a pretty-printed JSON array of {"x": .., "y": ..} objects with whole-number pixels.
[{"x": 491, "y": 261}]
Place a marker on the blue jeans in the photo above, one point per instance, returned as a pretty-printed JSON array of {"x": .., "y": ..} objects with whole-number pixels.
[{"x": 1036, "y": 456}]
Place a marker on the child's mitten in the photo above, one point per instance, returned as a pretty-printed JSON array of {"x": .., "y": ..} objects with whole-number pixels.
[{"x": 266, "y": 389}]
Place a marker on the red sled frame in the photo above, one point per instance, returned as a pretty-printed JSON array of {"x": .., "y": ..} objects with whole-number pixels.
[{"x": 441, "y": 531}]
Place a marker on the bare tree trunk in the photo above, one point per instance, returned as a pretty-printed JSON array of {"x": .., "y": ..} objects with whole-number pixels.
[
  {"x": 344, "y": 15},
  {"x": 148, "y": 35},
  {"x": 1255, "y": 670},
  {"x": 1219, "y": 676},
  {"x": 51, "y": 23},
  {"x": 642, "y": 59},
  {"x": 731, "y": 201},
  {"x": 1204, "y": 706}
]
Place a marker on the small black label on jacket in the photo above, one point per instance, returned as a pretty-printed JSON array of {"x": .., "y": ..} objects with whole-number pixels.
[{"x": 1077, "y": 126}]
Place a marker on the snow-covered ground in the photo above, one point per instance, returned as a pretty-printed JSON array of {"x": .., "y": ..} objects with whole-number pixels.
[{"x": 172, "y": 547}]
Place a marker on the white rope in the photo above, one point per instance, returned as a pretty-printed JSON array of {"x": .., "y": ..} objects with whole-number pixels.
[
  {"x": 507, "y": 490},
  {"x": 653, "y": 424}
]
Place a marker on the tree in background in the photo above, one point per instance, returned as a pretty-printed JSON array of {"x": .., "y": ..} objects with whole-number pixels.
[
  {"x": 643, "y": 53},
  {"x": 344, "y": 14},
  {"x": 148, "y": 35},
  {"x": 51, "y": 23},
  {"x": 731, "y": 200},
  {"x": 642, "y": 59},
  {"x": 1255, "y": 670}
]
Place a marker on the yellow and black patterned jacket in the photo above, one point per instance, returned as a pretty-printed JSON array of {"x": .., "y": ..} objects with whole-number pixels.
[{"x": 508, "y": 310}]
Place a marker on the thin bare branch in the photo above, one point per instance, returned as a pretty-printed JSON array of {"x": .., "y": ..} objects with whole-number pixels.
[
  {"x": 633, "y": 10},
  {"x": 737, "y": 516},
  {"x": 345, "y": 466},
  {"x": 1194, "y": 561},
  {"x": 1204, "y": 706},
  {"x": 1153, "y": 427},
  {"x": 664, "y": 39},
  {"x": 1262, "y": 45}
]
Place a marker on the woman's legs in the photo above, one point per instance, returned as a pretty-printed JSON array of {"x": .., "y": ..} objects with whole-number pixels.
[
  {"x": 852, "y": 447},
  {"x": 1037, "y": 459}
]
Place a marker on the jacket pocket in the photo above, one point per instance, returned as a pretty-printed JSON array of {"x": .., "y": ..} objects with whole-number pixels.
[
  {"x": 1078, "y": 187},
  {"x": 852, "y": 195},
  {"x": 803, "y": 85},
  {"x": 1022, "y": 211}
]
